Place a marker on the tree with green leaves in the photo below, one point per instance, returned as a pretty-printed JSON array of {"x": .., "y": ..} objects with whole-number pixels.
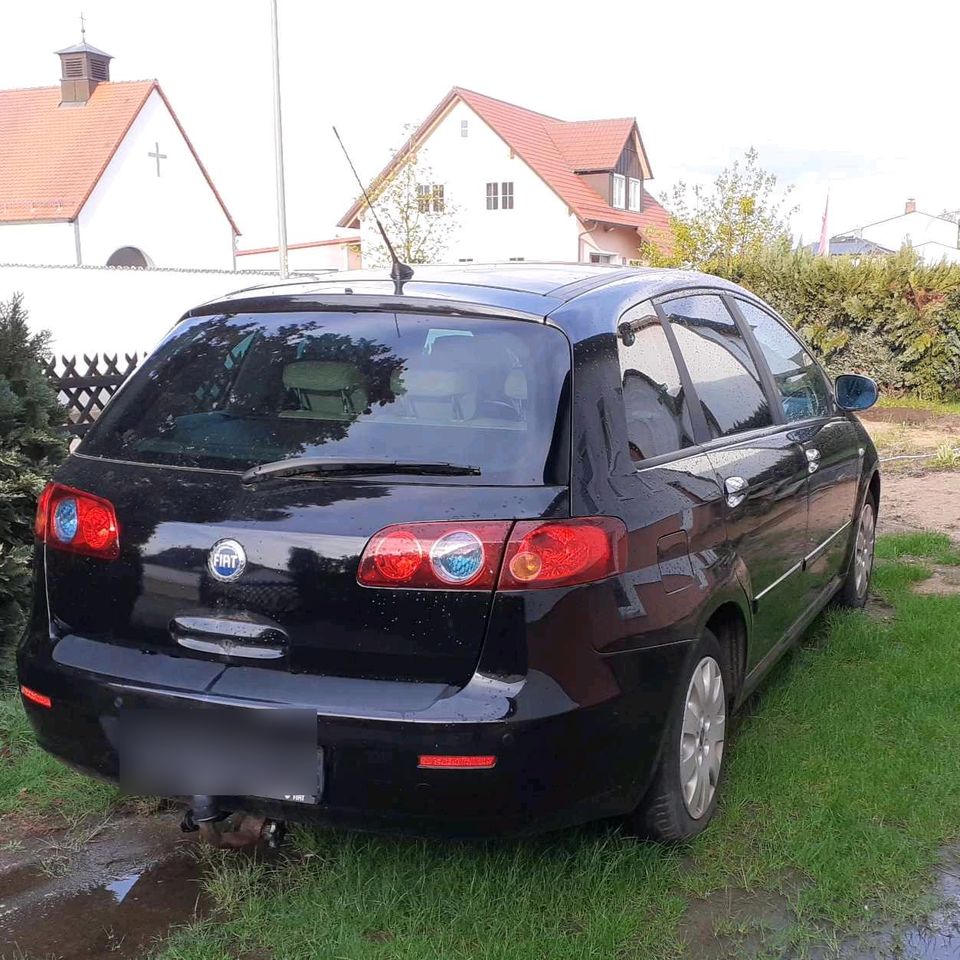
[
  {"x": 418, "y": 218},
  {"x": 30, "y": 446},
  {"x": 740, "y": 215}
]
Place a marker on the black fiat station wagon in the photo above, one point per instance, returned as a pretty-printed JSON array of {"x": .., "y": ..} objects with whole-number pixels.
[{"x": 494, "y": 552}]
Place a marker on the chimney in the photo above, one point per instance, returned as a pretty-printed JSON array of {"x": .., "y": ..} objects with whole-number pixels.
[
  {"x": 911, "y": 206},
  {"x": 82, "y": 67}
]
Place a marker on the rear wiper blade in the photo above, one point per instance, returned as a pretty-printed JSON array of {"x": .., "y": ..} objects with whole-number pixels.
[{"x": 298, "y": 466}]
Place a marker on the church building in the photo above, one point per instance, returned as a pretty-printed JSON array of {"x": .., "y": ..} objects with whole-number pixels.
[{"x": 95, "y": 172}]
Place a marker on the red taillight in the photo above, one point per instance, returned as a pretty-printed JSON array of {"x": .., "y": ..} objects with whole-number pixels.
[
  {"x": 78, "y": 522},
  {"x": 440, "y": 555},
  {"x": 449, "y": 555},
  {"x": 557, "y": 553},
  {"x": 38, "y": 698},
  {"x": 442, "y": 761}
]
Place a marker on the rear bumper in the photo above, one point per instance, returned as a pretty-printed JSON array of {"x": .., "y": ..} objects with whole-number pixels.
[{"x": 558, "y": 762}]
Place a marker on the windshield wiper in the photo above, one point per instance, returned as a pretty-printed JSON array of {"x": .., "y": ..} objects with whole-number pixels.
[{"x": 298, "y": 466}]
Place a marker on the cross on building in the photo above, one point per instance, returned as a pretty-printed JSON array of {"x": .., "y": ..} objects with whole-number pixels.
[{"x": 155, "y": 153}]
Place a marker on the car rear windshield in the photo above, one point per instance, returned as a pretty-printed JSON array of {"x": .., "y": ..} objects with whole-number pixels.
[{"x": 230, "y": 392}]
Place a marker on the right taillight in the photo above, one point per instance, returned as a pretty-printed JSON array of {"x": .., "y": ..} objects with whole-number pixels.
[
  {"x": 481, "y": 555},
  {"x": 558, "y": 553},
  {"x": 77, "y": 522}
]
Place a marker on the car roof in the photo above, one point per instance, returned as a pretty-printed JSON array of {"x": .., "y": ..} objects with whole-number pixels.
[{"x": 533, "y": 289}]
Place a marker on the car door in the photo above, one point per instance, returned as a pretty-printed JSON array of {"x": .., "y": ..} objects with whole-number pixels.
[
  {"x": 761, "y": 466},
  {"x": 829, "y": 440}
]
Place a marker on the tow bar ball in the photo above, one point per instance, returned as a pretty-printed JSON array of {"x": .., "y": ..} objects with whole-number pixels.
[{"x": 226, "y": 830}]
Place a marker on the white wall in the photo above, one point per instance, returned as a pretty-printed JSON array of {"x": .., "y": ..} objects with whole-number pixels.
[
  {"x": 539, "y": 227},
  {"x": 321, "y": 258},
  {"x": 90, "y": 310},
  {"x": 912, "y": 229},
  {"x": 174, "y": 218},
  {"x": 37, "y": 243}
]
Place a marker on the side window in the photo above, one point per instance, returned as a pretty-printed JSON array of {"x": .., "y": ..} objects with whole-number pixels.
[
  {"x": 721, "y": 368},
  {"x": 804, "y": 391},
  {"x": 658, "y": 421}
]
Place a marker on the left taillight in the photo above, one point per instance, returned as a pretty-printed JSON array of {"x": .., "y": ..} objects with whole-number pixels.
[{"x": 77, "y": 522}]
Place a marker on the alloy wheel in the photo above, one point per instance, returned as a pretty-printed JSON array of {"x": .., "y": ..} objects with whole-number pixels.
[
  {"x": 701, "y": 737},
  {"x": 863, "y": 555}
]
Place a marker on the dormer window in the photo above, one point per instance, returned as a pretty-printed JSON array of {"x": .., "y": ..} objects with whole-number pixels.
[
  {"x": 619, "y": 191},
  {"x": 634, "y": 194}
]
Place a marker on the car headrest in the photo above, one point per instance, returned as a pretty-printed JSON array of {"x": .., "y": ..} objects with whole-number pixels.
[
  {"x": 433, "y": 383},
  {"x": 321, "y": 376},
  {"x": 515, "y": 386}
]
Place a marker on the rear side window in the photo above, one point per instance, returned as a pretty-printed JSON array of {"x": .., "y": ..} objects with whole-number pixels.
[
  {"x": 658, "y": 421},
  {"x": 229, "y": 392},
  {"x": 803, "y": 390},
  {"x": 721, "y": 368}
]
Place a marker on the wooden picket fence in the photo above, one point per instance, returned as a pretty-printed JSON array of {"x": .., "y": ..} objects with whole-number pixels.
[{"x": 84, "y": 386}]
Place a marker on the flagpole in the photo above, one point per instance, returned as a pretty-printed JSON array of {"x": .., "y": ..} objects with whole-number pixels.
[{"x": 278, "y": 146}]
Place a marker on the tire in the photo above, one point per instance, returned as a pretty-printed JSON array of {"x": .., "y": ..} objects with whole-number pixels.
[
  {"x": 856, "y": 585},
  {"x": 671, "y": 810}
]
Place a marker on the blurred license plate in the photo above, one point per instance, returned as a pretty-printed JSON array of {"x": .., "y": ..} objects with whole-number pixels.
[{"x": 221, "y": 751}]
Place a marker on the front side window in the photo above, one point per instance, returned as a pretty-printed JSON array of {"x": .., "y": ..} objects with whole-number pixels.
[
  {"x": 658, "y": 421},
  {"x": 802, "y": 388},
  {"x": 634, "y": 195},
  {"x": 721, "y": 368},
  {"x": 493, "y": 196},
  {"x": 228, "y": 392},
  {"x": 619, "y": 191}
]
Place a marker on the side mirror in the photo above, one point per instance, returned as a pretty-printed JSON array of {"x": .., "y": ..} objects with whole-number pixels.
[{"x": 855, "y": 392}]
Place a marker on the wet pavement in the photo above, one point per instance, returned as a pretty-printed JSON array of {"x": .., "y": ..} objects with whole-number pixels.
[{"x": 99, "y": 891}]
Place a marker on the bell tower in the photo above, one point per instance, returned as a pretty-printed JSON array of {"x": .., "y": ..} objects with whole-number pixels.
[{"x": 82, "y": 67}]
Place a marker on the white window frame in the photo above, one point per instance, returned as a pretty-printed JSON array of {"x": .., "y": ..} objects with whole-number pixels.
[
  {"x": 464, "y": 128},
  {"x": 633, "y": 194},
  {"x": 506, "y": 195},
  {"x": 493, "y": 196},
  {"x": 619, "y": 191},
  {"x": 601, "y": 256}
]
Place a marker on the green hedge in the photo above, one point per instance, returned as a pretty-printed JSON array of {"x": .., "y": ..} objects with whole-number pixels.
[
  {"x": 30, "y": 446},
  {"x": 893, "y": 317}
]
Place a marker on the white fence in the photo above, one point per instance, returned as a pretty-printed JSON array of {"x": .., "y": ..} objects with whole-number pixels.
[{"x": 108, "y": 310}]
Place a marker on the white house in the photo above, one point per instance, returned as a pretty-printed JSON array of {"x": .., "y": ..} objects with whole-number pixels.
[
  {"x": 526, "y": 186},
  {"x": 934, "y": 238},
  {"x": 95, "y": 172}
]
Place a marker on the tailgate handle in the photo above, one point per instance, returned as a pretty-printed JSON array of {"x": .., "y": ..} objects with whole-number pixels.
[{"x": 256, "y": 639}]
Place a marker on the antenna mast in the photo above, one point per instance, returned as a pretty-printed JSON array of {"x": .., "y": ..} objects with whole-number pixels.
[{"x": 399, "y": 272}]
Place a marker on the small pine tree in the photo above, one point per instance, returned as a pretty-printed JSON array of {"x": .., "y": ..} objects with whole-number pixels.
[{"x": 30, "y": 446}]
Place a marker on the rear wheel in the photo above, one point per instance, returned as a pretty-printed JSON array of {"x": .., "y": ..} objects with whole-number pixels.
[
  {"x": 856, "y": 586},
  {"x": 683, "y": 796}
]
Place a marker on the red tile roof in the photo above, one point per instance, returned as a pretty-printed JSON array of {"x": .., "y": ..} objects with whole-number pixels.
[
  {"x": 53, "y": 157},
  {"x": 555, "y": 150}
]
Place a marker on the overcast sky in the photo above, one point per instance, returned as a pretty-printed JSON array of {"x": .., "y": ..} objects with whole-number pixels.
[{"x": 855, "y": 97}]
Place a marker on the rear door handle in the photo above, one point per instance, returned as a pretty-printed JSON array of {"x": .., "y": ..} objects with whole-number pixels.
[
  {"x": 813, "y": 459},
  {"x": 736, "y": 490}
]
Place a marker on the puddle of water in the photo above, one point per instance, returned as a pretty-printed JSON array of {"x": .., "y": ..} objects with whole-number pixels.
[{"x": 119, "y": 918}]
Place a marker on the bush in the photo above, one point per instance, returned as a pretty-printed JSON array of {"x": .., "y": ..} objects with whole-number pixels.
[
  {"x": 30, "y": 446},
  {"x": 892, "y": 317}
]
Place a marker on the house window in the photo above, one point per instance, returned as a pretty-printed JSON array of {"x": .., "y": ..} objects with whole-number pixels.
[
  {"x": 500, "y": 195},
  {"x": 619, "y": 191},
  {"x": 430, "y": 197},
  {"x": 602, "y": 257},
  {"x": 506, "y": 194},
  {"x": 464, "y": 128},
  {"x": 634, "y": 194},
  {"x": 493, "y": 196}
]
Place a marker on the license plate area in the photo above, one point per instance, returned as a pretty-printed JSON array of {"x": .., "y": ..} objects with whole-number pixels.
[{"x": 220, "y": 750}]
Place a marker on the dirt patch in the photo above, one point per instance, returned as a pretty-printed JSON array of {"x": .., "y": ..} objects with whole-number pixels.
[
  {"x": 930, "y": 501},
  {"x": 879, "y": 610},
  {"x": 112, "y": 896},
  {"x": 908, "y": 415},
  {"x": 943, "y": 582},
  {"x": 734, "y": 923}
]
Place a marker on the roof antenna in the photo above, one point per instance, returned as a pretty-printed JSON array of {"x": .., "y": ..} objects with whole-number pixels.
[{"x": 400, "y": 273}]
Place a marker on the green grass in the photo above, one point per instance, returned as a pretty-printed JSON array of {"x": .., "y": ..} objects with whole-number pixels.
[
  {"x": 843, "y": 784},
  {"x": 32, "y": 783},
  {"x": 916, "y": 403}
]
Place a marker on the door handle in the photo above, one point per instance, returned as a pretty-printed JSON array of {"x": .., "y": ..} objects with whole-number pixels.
[
  {"x": 813, "y": 459},
  {"x": 736, "y": 490}
]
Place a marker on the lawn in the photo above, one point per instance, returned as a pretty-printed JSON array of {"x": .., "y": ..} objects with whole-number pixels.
[{"x": 842, "y": 787}]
